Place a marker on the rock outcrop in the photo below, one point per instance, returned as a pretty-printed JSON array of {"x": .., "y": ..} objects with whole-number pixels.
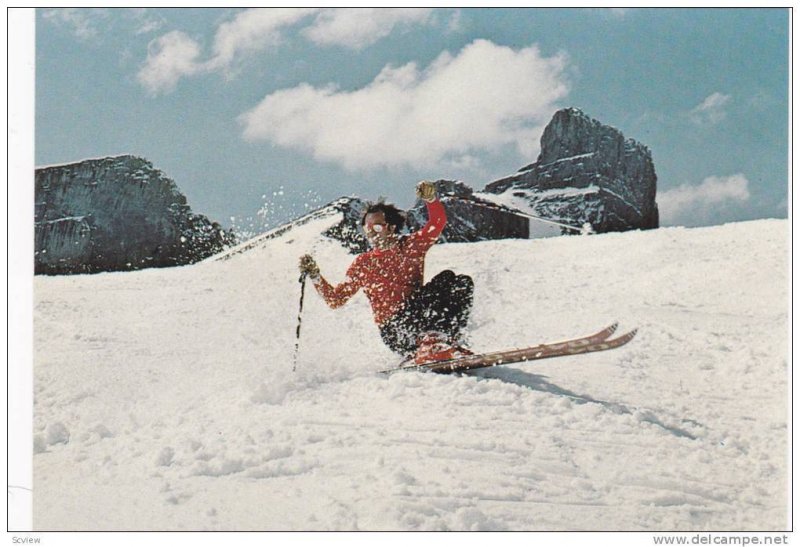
[
  {"x": 116, "y": 213},
  {"x": 587, "y": 172}
]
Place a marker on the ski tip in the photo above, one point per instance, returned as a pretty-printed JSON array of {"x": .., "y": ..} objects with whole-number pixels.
[
  {"x": 620, "y": 340},
  {"x": 607, "y": 332}
]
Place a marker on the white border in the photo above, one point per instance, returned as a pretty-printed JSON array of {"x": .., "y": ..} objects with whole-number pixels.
[{"x": 19, "y": 236}]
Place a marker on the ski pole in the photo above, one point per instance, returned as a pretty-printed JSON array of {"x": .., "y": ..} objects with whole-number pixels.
[{"x": 299, "y": 319}]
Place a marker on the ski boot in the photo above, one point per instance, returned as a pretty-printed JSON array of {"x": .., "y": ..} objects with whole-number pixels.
[{"x": 437, "y": 346}]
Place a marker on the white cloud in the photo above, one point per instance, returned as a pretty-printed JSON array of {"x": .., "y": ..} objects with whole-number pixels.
[
  {"x": 148, "y": 26},
  {"x": 169, "y": 58},
  {"x": 699, "y": 204},
  {"x": 711, "y": 110},
  {"x": 176, "y": 55},
  {"x": 91, "y": 23},
  {"x": 251, "y": 31},
  {"x": 357, "y": 28},
  {"x": 260, "y": 29},
  {"x": 145, "y": 21},
  {"x": 83, "y": 23},
  {"x": 455, "y": 22},
  {"x": 483, "y": 99}
]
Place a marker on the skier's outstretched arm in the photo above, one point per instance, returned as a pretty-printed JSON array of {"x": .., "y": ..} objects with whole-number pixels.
[
  {"x": 334, "y": 296},
  {"x": 437, "y": 218}
]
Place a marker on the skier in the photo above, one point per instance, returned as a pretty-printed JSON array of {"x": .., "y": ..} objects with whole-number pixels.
[{"x": 418, "y": 320}]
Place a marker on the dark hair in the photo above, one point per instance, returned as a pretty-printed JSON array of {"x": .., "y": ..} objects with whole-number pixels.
[{"x": 394, "y": 216}]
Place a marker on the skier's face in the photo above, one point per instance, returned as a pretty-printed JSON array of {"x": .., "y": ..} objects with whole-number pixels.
[{"x": 379, "y": 233}]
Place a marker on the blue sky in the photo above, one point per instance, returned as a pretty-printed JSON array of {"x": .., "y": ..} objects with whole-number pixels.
[{"x": 258, "y": 114}]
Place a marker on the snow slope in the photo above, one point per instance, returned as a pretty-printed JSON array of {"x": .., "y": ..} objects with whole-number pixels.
[{"x": 165, "y": 399}]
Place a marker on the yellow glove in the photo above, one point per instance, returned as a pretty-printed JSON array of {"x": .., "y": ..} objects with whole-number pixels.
[
  {"x": 309, "y": 266},
  {"x": 426, "y": 191}
]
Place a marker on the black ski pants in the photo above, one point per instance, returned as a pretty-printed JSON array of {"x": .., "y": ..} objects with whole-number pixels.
[{"x": 443, "y": 304}]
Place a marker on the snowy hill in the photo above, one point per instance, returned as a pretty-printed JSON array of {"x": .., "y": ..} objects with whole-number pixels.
[{"x": 165, "y": 399}]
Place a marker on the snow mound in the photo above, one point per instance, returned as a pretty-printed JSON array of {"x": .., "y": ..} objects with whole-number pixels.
[{"x": 166, "y": 400}]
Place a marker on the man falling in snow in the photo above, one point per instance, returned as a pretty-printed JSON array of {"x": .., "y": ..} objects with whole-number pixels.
[{"x": 414, "y": 318}]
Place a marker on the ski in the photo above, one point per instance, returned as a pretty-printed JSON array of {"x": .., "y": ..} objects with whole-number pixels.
[{"x": 599, "y": 341}]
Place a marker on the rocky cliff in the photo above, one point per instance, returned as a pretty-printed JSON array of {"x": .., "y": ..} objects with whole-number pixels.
[
  {"x": 587, "y": 172},
  {"x": 116, "y": 213}
]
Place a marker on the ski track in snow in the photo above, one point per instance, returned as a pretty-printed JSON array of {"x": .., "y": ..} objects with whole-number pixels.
[{"x": 164, "y": 399}]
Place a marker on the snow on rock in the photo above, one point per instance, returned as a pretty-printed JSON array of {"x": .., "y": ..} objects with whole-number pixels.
[{"x": 165, "y": 398}]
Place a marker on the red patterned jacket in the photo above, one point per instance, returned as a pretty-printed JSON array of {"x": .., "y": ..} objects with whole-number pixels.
[{"x": 388, "y": 276}]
